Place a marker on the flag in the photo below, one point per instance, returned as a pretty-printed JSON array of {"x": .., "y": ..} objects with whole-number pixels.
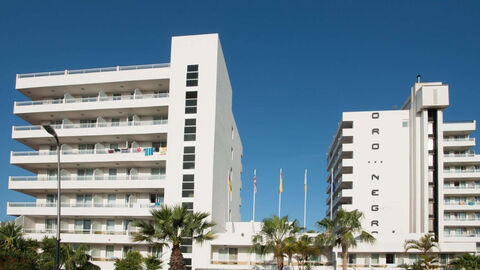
[
  {"x": 305, "y": 183},
  {"x": 280, "y": 188},
  {"x": 230, "y": 182},
  {"x": 255, "y": 181}
]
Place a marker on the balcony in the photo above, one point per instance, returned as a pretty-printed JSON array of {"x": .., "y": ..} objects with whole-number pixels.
[
  {"x": 85, "y": 236},
  {"x": 459, "y": 144},
  {"x": 468, "y": 158},
  {"x": 458, "y": 127},
  {"x": 461, "y": 174},
  {"x": 34, "y": 185},
  {"x": 76, "y": 209},
  {"x": 462, "y": 205},
  {"x": 120, "y": 74},
  {"x": 466, "y": 190},
  {"x": 69, "y": 133},
  {"x": 457, "y": 222},
  {"x": 129, "y": 157},
  {"x": 96, "y": 105}
]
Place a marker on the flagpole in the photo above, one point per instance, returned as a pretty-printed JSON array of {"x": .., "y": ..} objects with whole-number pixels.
[
  {"x": 305, "y": 202},
  {"x": 331, "y": 194},
  {"x": 254, "y": 192},
  {"x": 280, "y": 191}
]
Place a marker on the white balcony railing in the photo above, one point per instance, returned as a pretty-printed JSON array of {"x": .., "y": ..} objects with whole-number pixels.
[
  {"x": 90, "y": 99},
  {"x": 91, "y": 70},
  {"x": 469, "y": 154},
  {"x": 95, "y": 125},
  {"x": 461, "y": 171},
  {"x": 90, "y": 178},
  {"x": 459, "y": 139},
  {"x": 467, "y": 203},
  {"x": 461, "y": 187},
  {"x": 91, "y": 231},
  {"x": 462, "y": 219},
  {"x": 162, "y": 151},
  {"x": 82, "y": 205}
]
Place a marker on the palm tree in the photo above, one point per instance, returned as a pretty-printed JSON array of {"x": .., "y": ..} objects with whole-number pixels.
[
  {"x": 345, "y": 230},
  {"x": 466, "y": 262},
  {"x": 426, "y": 244},
  {"x": 174, "y": 225},
  {"x": 305, "y": 249},
  {"x": 290, "y": 249},
  {"x": 275, "y": 234},
  {"x": 15, "y": 251},
  {"x": 10, "y": 236},
  {"x": 76, "y": 259}
]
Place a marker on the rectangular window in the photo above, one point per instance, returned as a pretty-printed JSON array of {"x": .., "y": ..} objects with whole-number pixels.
[
  {"x": 189, "y": 157},
  {"x": 375, "y": 259},
  {"x": 192, "y": 75},
  {"x": 390, "y": 258},
  {"x": 191, "y": 102},
  {"x": 109, "y": 252},
  {"x": 111, "y": 200},
  {"x": 112, "y": 174},
  {"x": 352, "y": 258},
  {"x": 110, "y": 225},
  {"x": 50, "y": 225},
  {"x": 188, "y": 263},
  {"x": 188, "y": 206}
]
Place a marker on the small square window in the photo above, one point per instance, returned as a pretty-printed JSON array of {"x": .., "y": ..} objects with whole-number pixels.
[
  {"x": 405, "y": 124},
  {"x": 390, "y": 258}
]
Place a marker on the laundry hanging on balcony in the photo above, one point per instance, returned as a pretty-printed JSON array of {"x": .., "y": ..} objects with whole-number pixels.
[{"x": 149, "y": 151}]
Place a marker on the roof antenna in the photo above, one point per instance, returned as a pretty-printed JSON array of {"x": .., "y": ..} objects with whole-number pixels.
[{"x": 418, "y": 78}]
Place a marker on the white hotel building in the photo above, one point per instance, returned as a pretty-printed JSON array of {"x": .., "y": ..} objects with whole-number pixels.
[
  {"x": 132, "y": 138},
  {"x": 410, "y": 173}
]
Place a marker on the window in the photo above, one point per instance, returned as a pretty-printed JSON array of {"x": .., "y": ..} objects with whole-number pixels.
[
  {"x": 52, "y": 174},
  {"x": 110, "y": 225},
  {"x": 352, "y": 258},
  {"x": 191, "y": 102},
  {"x": 86, "y": 148},
  {"x": 87, "y": 123},
  {"x": 405, "y": 123},
  {"x": 84, "y": 200},
  {"x": 227, "y": 254},
  {"x": 390, "y": 258},
  {"x": 188, "y": 206},
  {"x": 111, "y": 199},
  {"x": 444, "y": 259},
  {"x": 192, "y": 75},
  {"x": 375, "y": 259},
  {"x": 155, "y": 252},
  {"x": 189, "y": 157},
  {"x": 186, "y": 245},
  {"x": 117, "y": 96},
  {"x": 412, "y": 258},
  {"x": 84, "y": 174},
  {"x": 82, "y": 225},
  {"x": 109, "y": 252},
  {"x": 188, "y": 186},
  {"x": 51, "y": 200},
  {"x": 188, "y": 263},
  {"x": 126, "y": 224},
  {"x": 156, "y": 198},
  {"x": 190, "y": 130},
  {"x": 50, "y": 225},
  {"x": 115, "y": 122},
  {"x": 125, "y": 250},
  {"x": 112, "y": 174}
]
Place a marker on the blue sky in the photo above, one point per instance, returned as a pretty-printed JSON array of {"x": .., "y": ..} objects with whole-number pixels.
[{"x": 294, "y": 67}]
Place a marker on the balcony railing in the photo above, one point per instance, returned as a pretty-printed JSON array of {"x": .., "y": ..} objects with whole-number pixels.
[
  {"x": 90, "y": 178},
  {"x": 89, "y": 99},
  {"x": 138, "y": 150},
  {"x": 462, "y": 219},
  {"x": 459, "y": 139},
  {"x": 461, "y": 187},
  {"x": 470, "y": 154},
  {"x": 83, "y": 205},
  {"x": 461, "y": 171},
  {"x": 468, "y": 203},
  {"x": 96, "y": 125},
  {"x": 91, "y": 70},
  {"x": 91, "y": 231}
]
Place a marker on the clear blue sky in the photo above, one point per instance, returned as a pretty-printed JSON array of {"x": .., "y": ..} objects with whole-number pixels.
[{"x": 294, "y": 67}]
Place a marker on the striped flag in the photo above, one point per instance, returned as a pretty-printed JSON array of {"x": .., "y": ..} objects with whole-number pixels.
[
  {"x": 280, "y": 188},
  {"x": 255, "y": 181}
]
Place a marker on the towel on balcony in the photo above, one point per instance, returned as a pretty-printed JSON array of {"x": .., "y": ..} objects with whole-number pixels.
[{"x": 149, "y": 151}]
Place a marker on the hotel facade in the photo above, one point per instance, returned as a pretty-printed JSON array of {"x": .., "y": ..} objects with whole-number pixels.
[
  {"x": 136, "y": 137},
  {"x": 132, "y": 138},
  {"x": 411, "y": 173}
]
